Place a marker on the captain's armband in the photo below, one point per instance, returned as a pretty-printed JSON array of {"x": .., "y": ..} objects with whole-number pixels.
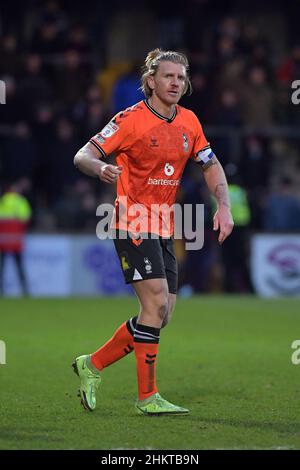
[{"x": 206, "y": 157}]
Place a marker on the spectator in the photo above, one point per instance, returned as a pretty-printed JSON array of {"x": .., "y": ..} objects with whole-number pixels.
[
  {"x": 257, "y": 99},
  {"x": 255, "y": 165},
  {"x": 72, "y": 79},
  {"x": 197, "y": 265},
  {"x": 89, "y": 113},
  {"x": 15, "y": 213},
  {"x": 18, "y": 164},
  {"x": 126, "y": 90},
  {"x": 10, "y": 60},
  {"x": 235, "y": 254},
  {"x": 48, "y": 38},
  {"x": 282, "y": 209},
  {"x": 34, "y": 87},
  {"x": 200, "y": 101},
  {"x": 78, "y": 40},
  {"x": 61, "y": 171},
  {"x": 44, "y": 131},
  {"x": 228, "y": 112},
  {"x": 289, "y": 69},
  {"x": 11, "y": 114}
]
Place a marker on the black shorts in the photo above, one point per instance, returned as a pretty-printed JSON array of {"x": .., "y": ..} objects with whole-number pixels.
[{"x": 147, "y": 258}]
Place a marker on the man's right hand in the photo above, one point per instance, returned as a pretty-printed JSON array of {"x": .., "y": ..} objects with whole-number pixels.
[
  {"x": 110, "y": 173},
  {"x": 87, "y": 160}
]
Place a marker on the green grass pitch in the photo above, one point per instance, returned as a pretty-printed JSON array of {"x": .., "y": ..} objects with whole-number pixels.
[{"x": 228, "y": 359}]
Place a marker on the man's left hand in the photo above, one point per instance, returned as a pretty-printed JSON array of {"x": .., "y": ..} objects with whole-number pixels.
[{"x": 223, "y": 220}]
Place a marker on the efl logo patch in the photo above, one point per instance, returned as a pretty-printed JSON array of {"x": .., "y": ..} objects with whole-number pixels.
[
  {"x": 109, "y": 130},
  {"x": 185, "y": 143},
  {"x": 99, "y": 139}
]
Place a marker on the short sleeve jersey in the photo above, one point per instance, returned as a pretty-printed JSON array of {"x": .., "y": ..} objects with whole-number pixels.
[{"x": 153, "y": 151}]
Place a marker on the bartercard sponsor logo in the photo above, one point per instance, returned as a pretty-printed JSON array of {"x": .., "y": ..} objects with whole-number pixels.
[
  {"x": 169, "y": 169},
  {"x": 163, "y": 182}
]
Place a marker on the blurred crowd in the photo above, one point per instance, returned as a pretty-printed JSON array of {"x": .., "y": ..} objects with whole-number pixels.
[{"x": 62, "y": 87}]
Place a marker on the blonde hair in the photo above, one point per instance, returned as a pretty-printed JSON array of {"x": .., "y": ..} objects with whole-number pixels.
[{"x": 152, "y": 62}]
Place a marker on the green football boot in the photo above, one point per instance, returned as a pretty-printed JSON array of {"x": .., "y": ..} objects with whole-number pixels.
[
  {"x": 89, "y": 381},
  {"x": 155, "y": 405}
]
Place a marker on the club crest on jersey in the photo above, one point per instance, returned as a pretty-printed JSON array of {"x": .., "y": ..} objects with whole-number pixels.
[
  {"x": 109, "y": 130},
  {"x": 185, "y": 142},
  {"x": 148, "y": 266}
]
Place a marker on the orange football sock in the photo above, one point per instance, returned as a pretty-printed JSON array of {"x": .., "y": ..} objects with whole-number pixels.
[
  {"x": 145, "y": 355},
  {"x": 117, "y": 347},
  {"x": 146, "y": 341}
]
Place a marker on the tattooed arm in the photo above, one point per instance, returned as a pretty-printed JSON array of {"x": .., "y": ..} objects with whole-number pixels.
[{"x": 216, "y": 181}]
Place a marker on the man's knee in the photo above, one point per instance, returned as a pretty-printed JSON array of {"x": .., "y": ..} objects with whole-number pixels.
[
  {"x": 161, "y": 304},
  {"x": 160, "y": 300},
  {"x": 154, "y": 302}
]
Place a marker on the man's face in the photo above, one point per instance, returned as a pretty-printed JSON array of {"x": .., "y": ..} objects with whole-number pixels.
[{"x": 169, "y": 81}]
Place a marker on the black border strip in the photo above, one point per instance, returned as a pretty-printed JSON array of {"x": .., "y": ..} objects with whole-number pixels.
[
  {"x": 160, "y": 115},
  {"x": 99, "y": 148}
]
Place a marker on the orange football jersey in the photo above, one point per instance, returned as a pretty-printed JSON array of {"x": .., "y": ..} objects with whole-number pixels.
[{"x": 153, "y": 151}]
